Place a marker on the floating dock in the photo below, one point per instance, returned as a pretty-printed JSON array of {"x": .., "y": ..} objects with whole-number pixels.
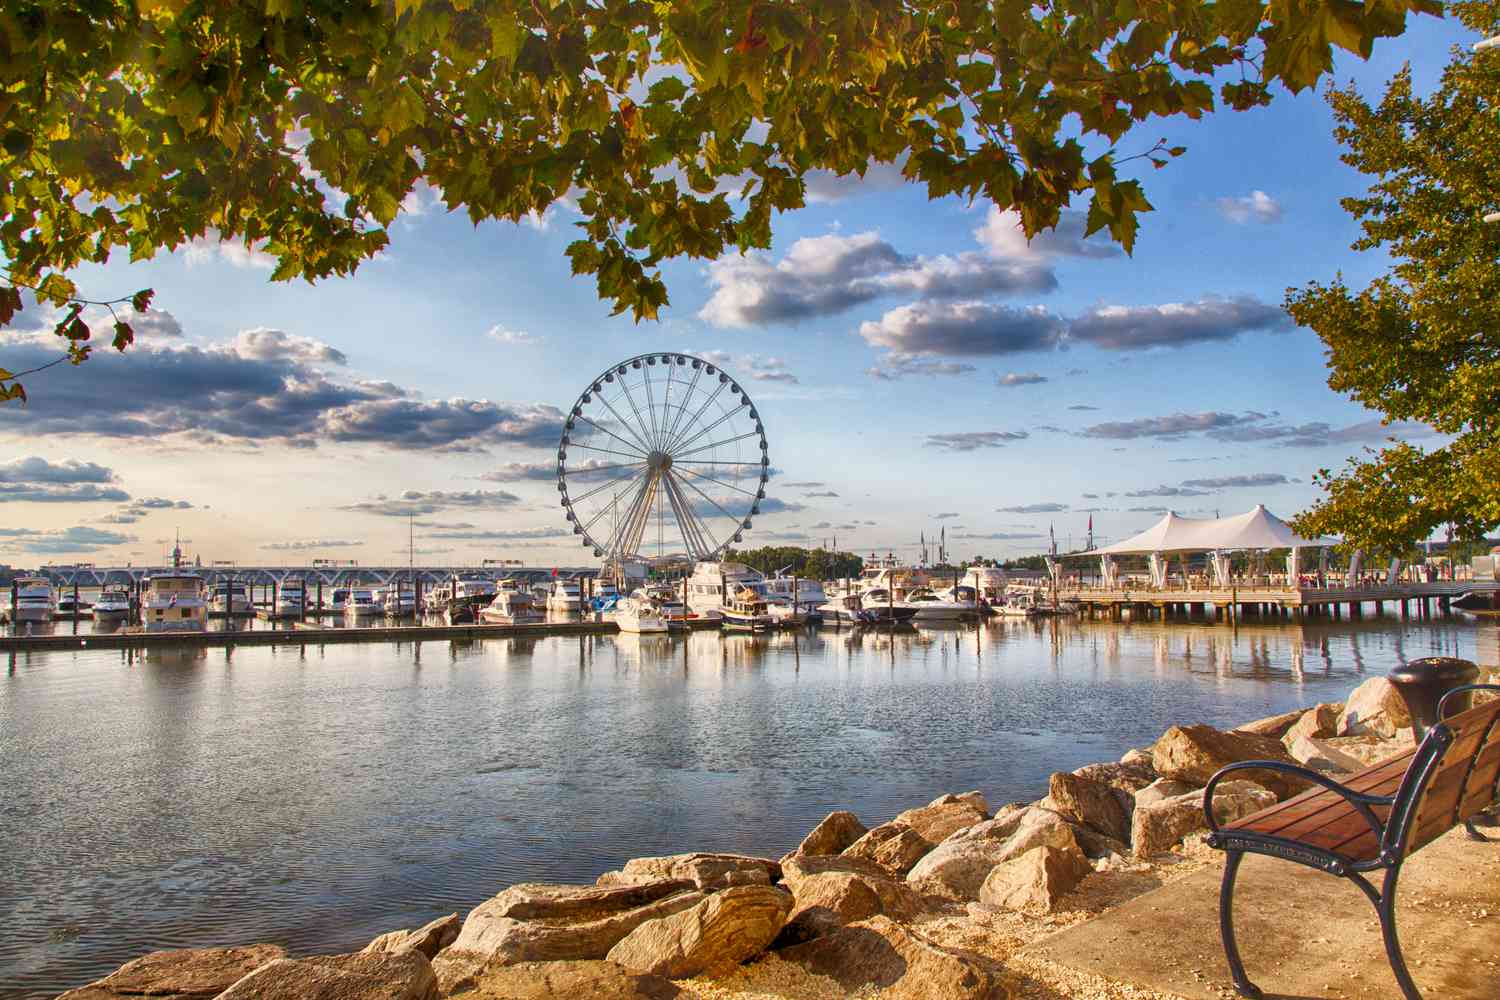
[{"x": 1420, "y": 599}]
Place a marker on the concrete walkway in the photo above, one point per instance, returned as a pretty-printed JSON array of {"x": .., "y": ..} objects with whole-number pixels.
[{"x": 1304, "y": 934}]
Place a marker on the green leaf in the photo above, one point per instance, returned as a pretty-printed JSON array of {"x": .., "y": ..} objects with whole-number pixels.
[{"x": 124, "y": 335}]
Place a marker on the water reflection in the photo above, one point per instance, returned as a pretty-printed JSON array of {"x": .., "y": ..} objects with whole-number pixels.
[{"x": 318, "y": 795}]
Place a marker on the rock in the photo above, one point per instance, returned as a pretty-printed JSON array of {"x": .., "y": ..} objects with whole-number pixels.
[
  {"x": 1271, "y": 725},
  {"x": 725, "y": 929},
  {"x": 957, "y": 868},
  {"x": 893, "y": 846},
  {"x": 1136, "y": 756},
  {"x": 829, "y": 892},
  {"x": 706, "y": 871},
  {"x": 1129, "y": 777},
  {"x": 1371, "y": 749},
  {"x": 1194, "y": 753},
  {"x": 1158, "y": 827},
  {"x": 1322, "y": 756},
  {"x": 1033, "y": 882},
  {"x": 580, "y": 980},
  {"x": 533, "y": 923},
  {"x": 1375, "y": 708},
  {"x": 976, "y": 799},
  {"x": 1092, "y": 803},
  {"x": 943, "y": 816},
  {"x": 180, "y": 974},
  {"x": 1317, "y": 722},
  {"x": 880, "y": 954},
  {"x": 837, "y": 831},
  {"x": 405, "y": 975},
  {"x": 1160, "y": 789},
  {"x": 429, "y": 940}
]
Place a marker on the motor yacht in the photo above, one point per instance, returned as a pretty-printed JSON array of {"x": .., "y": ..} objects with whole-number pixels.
[
  {"x": 637, "y": 617},
  {"x": 1020, "y": 602},
  {"x": 809, "y": 596},
  {"x": 710, "y": 581},
  {"x": 361, "y": 603},
  {"x": 291, "y": 598},
  {"x": 934, "y": 607},
  {"x": 230, "y": 598},
  {"x": 34, "y": 600},
  {"x": 884, "y": 607},
  {"x": 465, "y": 610},
  {"x": 338, "y": 600},
  {"x": 563, "y": 596},
  {"x": 174, "y": 602},
  {"x": 988, "y": 583},
  {"x": 844, "y": 609},
  {"x": 747, "y": 612},
  {"x": 397, "y": 600},
  {"x": 665, "y": 602},
  {"x": 113, "y": 604},
  {"x": 510, "y": 607}
]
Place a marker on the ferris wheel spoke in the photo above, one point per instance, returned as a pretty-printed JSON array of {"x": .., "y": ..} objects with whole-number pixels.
[
  {"x": 693, "y": 531},
  {"x": 716, "y": 444},
  {"x": 708, "y": 461},
  {"x": 625, "y": 423},
  {"x": 590, "y": 470},
  {"x": 613, "y": 505},
  {"x": 612, "y": 482},
  {"x": 666, "y": 405},
  {"x": 697, "y": 415},
  {"x": 606, "y": 430},
  {"x": 630, "y": 398},
  {"x": 694, "y": 487},
  {"x": 650, "y": 407},
  {"x": 723, "y": 418},
  {"x": 711, "y": 479},
  {"x": 639, "y": 458},
  {"x": 634, "y": 525},
  {"x": 682, "y": 406}
]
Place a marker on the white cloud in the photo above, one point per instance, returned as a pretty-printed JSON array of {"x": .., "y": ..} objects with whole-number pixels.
[
  {"x": 234, "y": 251},
  {"x": 512, "y": 338},
  {"x": 1012, "y": 379},
  {"x": 963, "y": 329},
  {"x": 1257, "y": 206},
  {"x": 1002, "y": 236},
  {"x": 264, "y": 344}
]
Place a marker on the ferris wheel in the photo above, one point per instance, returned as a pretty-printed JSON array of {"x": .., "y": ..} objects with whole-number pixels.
[{"x": 664, "y": 451}]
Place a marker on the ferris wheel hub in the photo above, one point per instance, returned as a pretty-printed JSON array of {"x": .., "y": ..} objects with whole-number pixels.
[{"x": 659, "y": 461}]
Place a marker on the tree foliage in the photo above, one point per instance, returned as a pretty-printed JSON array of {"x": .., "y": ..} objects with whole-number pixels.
[
  {"x": 1422, "y": 341},
  {"x": 676, "y": 127},
  {"x": 814, "y": 564}
]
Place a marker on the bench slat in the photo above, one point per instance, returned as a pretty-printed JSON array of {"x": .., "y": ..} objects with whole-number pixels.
[{"x": 1380, "y": 779}]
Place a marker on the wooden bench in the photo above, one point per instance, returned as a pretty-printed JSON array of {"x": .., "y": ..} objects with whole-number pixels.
[{"x": 1374, "y": 820}]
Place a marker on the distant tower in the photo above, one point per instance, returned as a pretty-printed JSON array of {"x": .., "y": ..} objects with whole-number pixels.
[{"x": 177, "y": 552}]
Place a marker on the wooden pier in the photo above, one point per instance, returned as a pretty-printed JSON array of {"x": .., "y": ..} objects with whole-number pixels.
[{"x": 1406, "y": 599}]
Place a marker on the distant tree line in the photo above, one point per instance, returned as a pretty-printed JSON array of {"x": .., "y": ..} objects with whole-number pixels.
[{"x": 793, "y": 560}]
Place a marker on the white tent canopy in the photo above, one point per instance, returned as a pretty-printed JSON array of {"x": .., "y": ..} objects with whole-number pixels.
[{"x": 1257, "y": 528}]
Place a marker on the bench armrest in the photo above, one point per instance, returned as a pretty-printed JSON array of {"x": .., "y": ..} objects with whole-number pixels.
[
  {"x": 1443, "y": 702},
  {"x": 1359, "y": 800}
]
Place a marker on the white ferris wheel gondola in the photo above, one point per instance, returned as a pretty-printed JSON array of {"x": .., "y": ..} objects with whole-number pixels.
[{"x": 658, "y": 439}]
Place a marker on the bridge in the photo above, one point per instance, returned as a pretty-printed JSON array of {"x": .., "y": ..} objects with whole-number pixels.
[
  {"x": 1278, "y": 600},
  {"x": 329, "y": 576}
]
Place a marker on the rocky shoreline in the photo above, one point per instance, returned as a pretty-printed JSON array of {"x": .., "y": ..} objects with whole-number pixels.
[{"x": 933, "y": 903}]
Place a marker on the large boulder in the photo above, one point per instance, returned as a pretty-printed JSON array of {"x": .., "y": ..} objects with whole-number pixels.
[
  {"x": 944, "y": 815},
  {"x": 405, "y": 975},
  {"x": 837, "y": 831},
  {"x": 1375, "y": 708},
  {"x": 893, "y": 846},
  {"x": 1271, "y": 725},
  {"x": 1035, "y": 881},
  {"x": 1161, "y": 826},
  {"x": 1317, "y": 722},
  {"x": 1194, "y": 753},
  {"x": 706, "y": 871},
  {"x": 1370, "y": 750},
  {"x": 543, "y": 923},
  {"x": 725, "y": 929},
  {"x": 829, "y": 892},
  {"x": 1160, "y": 790},
  {"x": 590, "y": 980},
  {"x": 1091, "y": 803},
  {"x": 882, "y": 955},
  {"x": 1320, "y": 755},
  {"x": 957, "y": 868},
  {"x": 429, "y": 939},
  {"x": 180, "y": 974}
]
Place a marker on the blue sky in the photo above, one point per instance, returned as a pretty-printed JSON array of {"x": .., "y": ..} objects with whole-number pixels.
[{"x": 282, "y": 422}]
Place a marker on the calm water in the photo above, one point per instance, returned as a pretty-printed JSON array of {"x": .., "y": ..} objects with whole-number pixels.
[{"x": 319, "y": 796}]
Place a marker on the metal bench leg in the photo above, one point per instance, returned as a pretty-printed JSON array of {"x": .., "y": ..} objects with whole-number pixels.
[
  {"x": 1385, "y": 906},
  {"x": 1242, "y": 983},
  {"x": 1474, "y": 833}
]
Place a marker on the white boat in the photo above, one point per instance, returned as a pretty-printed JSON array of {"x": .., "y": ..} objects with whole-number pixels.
[
  {"x": 884, "y": 606},
  {"x": 934, "y": 607},
  {"x": 174, "y": 602},
  {"x": 637, "y": 617},
  {"x": 844, "y": 609},
  {"x": 70, "y": 606},
  {"x": 436, "y": 598},
  {"x": 809, "y": 597},
  {"x": 988, "y": 583},
  {"x": 397, "y": 600},
  {"x": 747, "y": 612},
  {"x": 706, "y": 587},
  {"x": 230, "y": 598},
  {"x": 291, "y": 598},
  {"x": 34, "y": 601},
  {"x": 1020, "y": 602},
  {"x": 510, "y": 607},
  {"x": 113, "y": 605},
  {"x": 563, "y": 596},
  {"x": 338, "y": 600},
  {"x": 361, "y": 603},
  {"x": 666, "y": 603}
]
